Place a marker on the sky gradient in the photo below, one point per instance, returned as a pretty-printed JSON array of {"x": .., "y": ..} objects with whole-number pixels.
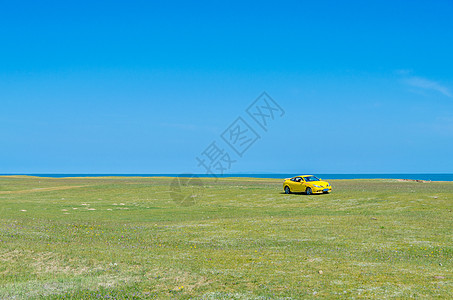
[{"x": 146, "y": 87}]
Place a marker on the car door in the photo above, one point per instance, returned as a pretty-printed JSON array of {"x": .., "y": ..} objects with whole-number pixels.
[
  {"x": 299, "y": 185},
  {"x": 293, "y": 184}
]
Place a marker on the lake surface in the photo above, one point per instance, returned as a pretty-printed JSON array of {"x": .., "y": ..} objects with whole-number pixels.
[{"x": 430, "y": 177}]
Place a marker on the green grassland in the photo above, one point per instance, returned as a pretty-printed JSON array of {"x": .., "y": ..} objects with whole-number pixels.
[{"x": 125, "y": 238}]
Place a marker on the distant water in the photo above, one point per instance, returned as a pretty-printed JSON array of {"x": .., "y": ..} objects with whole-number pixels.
[{"x": 429, "y": 177}]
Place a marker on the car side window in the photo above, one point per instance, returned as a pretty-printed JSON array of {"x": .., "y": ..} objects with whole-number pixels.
[{"x": 298, "y": 179}]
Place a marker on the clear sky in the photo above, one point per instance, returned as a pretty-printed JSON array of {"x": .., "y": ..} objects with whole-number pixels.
[{"x": 147, "y": 86}]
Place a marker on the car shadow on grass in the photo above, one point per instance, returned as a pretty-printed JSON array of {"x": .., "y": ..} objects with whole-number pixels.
[{"x": 302, "y": 193}]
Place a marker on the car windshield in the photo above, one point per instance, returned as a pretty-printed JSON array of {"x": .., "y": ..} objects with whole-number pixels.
[{"x": 311, "y": 178}]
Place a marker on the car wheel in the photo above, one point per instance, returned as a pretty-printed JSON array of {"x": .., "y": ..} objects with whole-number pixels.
[
  {"x": 287, "y": 190},
  {"x": 308, "y": 191}
]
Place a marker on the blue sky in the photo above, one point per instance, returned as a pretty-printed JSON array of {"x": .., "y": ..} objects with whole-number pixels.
[{"x": 146, "y": 87}]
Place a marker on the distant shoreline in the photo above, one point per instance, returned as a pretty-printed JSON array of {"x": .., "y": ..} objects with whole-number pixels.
[{"x": 438, "y": 177}]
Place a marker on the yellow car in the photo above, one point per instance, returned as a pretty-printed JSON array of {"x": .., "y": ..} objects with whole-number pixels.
[{"x": 307, "y": 184}]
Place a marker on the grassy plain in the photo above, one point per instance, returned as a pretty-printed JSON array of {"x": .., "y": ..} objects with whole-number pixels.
[{"x": 125, "y": 238}]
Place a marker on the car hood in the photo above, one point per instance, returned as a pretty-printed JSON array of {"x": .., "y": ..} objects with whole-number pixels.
[{"x": 320, "y": 183}]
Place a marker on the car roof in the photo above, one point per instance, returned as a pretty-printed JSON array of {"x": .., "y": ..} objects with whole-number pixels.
[{"x": 303, "y": 175}]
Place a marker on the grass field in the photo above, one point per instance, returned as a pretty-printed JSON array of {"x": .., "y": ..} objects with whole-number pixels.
[{"x": 125, "y": 238}]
